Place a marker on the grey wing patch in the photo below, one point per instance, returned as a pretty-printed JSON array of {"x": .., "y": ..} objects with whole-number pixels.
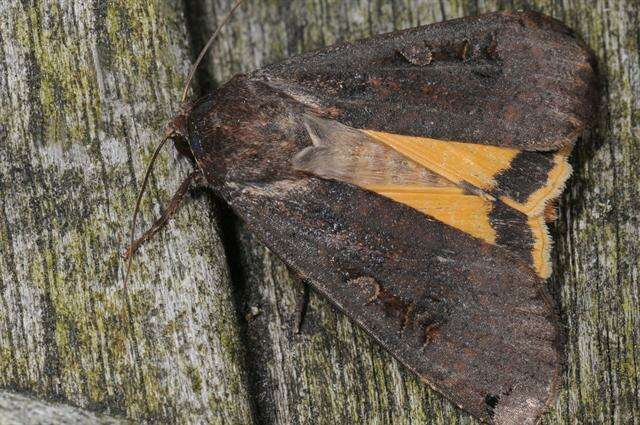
[{"x": 340, "y": 152}]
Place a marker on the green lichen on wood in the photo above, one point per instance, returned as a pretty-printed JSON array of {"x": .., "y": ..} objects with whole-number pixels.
[{"x": 84, "y": 92}]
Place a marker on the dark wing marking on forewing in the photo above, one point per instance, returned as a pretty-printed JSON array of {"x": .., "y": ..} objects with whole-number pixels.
[
  {"x": 533, "y": 180},
  {"x": 528, "y": 169}
]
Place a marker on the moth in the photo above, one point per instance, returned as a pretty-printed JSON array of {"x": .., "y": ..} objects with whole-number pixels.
[{"x": 408, "y": 177}]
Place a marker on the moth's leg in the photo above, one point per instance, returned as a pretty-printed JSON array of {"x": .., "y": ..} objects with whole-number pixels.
[
  {"x": 169, "y": 212},
  {"x": 301, "y": 308}
]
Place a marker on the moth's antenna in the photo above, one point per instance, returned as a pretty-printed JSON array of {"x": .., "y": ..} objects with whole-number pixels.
[
  {"x": 139, "y": 200},
  {"x": 206, "y": 48},
  {"x": 132, "y": 245}
]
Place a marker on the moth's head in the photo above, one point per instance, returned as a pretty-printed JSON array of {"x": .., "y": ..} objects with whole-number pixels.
[
  {"x": 176, "y": 130},
  {"x": 244, "y": 132}
]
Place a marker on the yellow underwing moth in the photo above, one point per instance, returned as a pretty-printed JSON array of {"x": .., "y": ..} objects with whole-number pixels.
[{"x": 408, "y": 177}]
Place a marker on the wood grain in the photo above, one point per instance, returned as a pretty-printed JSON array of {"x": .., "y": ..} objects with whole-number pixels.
[
  {"x": 84, "y": 91},
  {"x": 204, "y": 337},
  {"x": 17, "y": 409}
]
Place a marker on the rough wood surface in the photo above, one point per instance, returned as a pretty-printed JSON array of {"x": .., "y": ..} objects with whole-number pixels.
[
  {"x": 84, "y": 90},
  {"x": 17, "y": 409}
]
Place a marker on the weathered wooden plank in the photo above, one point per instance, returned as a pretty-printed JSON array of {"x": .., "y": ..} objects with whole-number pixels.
[
  {"x": 16, "y": 409},
  {"x": 332, "y": 373},
  {"x": 597, "y": 239},
  {"x": 84, "y": 90}
]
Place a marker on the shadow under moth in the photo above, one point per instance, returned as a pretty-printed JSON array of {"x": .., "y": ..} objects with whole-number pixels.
[{"x": 408, "y": 177}]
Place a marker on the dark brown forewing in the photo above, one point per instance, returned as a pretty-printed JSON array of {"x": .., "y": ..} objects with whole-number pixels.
[
  {"x": 509, "y": 79},
  {"x": 469, "y": 320}
]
